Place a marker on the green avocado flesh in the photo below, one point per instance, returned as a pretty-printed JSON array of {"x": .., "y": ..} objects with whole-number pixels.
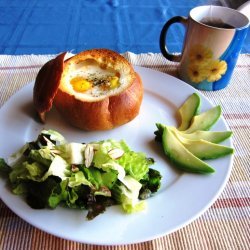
[
  {"x": 181, "y": 156},
  {"x": 211, "y": 136},
  {"x": 205, "y": 120},
  {"x": 204, "y": 149},
  {"x": 188, "y": 110}
]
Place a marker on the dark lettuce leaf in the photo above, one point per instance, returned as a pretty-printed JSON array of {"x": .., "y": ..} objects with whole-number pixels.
[
  {"x": 59, "y": 194},
  {"x": 5, "y": 169},
  {"x": 151, "y": 183},
  {"x": 38, "y": 193},
  {"x": 97, "y": 205}
]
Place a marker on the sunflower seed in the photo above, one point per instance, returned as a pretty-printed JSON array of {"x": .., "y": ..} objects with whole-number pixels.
[
  {"x": 55, "y": 151},
  {"x": 115, "y": 153},
  {"x": 89, "y": 155},
  {"x": 49, "y": 143}
]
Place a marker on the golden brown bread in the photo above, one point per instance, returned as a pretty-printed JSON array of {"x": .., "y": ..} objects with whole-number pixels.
[{"x": 98, "y": 108}]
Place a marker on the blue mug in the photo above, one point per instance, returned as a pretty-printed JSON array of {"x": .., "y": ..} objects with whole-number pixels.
[{"x": 213, "y": 40}]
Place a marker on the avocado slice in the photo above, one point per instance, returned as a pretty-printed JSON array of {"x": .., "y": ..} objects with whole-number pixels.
[
  {"x": 181, "y": 156},
  {"x": 211, "y": 136},
  {"x": 203, "y": 149},
  {"x": 158, "y": 133},
  {"x": 189, "y": 109},
  {"x": 205, "y": 120}
]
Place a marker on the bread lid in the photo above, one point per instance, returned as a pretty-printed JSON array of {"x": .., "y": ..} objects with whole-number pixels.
[{"x": 46, "y": 85}]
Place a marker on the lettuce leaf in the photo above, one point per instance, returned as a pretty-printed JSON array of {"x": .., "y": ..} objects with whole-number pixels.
[
  {"x": 73, "y": 152},
  {"x": 59, "y": 193},
  {"x": 18, "y": 156},
  {"x": 5, "y": 169},
  {"x": 101, "y": 155},
  {"x": 126, "y": 193},
  {"x": 100, "y": 179},
  {"x": 27, "y": 171},
  {"x": 58, "y": 167},
  {"x": 135, "y": 164},
  {"x": 43, "y": 156},
  {"x": 151, "y": 183},
  {"x": 38, "y": 193},
  {"x": 54, "y": 136},
  {"x": 78, "y": 179}
]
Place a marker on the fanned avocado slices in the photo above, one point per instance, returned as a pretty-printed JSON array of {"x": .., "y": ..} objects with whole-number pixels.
[
  {"x": 204, "y": 149},
  {"x": 191, "y": 143},
  {"x": 182, "y": 157},
  {"x": 188, "y": 110}
]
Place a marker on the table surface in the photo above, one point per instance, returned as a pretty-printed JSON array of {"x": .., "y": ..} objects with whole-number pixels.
[
  {"x": 44, "y": 28},
  {"x": 225, "y": 225},
  {"x": 50, "y": 27}
]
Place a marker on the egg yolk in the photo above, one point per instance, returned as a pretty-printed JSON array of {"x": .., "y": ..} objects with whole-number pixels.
[
  {"x": 80, "y": 84},
  {"x": 114, "y": 82}
]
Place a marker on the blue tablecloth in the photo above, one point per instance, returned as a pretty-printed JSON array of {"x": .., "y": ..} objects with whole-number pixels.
[{"x": 52, "y": 26}]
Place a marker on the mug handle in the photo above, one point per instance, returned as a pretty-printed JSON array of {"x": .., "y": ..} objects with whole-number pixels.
[{"x": 163, "y": 46}]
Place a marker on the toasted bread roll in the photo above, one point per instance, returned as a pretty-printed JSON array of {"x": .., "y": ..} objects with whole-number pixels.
[{"x": 98, "y": 90}]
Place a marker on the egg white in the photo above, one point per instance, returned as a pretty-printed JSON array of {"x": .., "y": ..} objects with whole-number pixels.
[{"x": 92, "y": 68}]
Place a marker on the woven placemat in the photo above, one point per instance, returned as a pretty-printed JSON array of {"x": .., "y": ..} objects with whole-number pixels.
[{"x": 225, "y": 225}]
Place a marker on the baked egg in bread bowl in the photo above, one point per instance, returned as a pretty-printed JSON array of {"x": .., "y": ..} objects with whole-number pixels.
[{"x": 94, "y": 90}]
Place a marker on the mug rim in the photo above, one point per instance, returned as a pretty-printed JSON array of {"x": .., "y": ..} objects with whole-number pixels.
[{"x": 247, "y": 21}]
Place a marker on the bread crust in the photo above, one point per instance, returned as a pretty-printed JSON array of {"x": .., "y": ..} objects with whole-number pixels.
[{"x": 106, "y": 114}]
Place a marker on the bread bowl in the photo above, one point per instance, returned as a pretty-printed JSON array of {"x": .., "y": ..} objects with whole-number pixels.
[{"x": 94, "y": 90}]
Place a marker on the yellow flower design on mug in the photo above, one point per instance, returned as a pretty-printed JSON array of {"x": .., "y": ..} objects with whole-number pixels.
[
  {"x": 197, "y": 73},
  {"x": 202, "y": 66},
  {"x": 216, "y": 70},
  {"x": 200, "y": 54}
]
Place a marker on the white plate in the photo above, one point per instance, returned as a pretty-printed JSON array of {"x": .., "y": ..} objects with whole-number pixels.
[{"x": 182, "y": 197}]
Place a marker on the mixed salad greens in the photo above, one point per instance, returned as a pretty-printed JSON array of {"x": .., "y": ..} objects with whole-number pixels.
[{"x": 91, "y": 176}]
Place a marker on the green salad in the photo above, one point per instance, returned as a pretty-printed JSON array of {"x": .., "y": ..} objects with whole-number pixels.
[{"x": 50, "y": 171}]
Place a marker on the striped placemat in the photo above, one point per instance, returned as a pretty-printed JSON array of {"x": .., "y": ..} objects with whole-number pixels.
[{"x": 225, "y": 225}]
